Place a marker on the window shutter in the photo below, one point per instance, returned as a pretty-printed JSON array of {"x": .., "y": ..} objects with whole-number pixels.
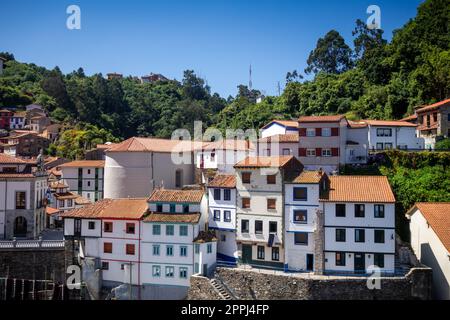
[
  {"x": 335, "y": 152},
  {"x": 318, "y": 132},
  {"x": 318, "y": 152},
  {"x": 302, "y": 152},
  {"x": 334, "y": 132},
  {"x": 302, "y": 132}
]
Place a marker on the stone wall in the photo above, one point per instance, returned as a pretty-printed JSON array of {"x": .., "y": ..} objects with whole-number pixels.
[
  {"x": 201, "y": 289},
  {"x": 251, "y": 285}
]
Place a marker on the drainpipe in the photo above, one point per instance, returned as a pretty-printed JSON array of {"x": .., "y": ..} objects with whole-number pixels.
[
  {"x": 6, "y": 199},
  {"x": 139, "y": 261}
]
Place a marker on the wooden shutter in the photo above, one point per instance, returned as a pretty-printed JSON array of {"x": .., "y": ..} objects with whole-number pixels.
[
  {"x": 318, "y": 132},
  {"x": 302, "y": 152},
  {"x": 335, "y": 152},
  {"x": 334, "y": 132},
  {"x": 318, "y": 152},
  {"x": 302, "y": 132}
]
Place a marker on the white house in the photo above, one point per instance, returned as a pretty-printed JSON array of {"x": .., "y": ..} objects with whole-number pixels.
[
  {"x": 17, "y": 121},
  {"x": 259, "y": 186},
  {"x": 359, "y": 225},
  {"x": 84, "y": 177},
  {"x": 393, "y": 135},
  {"x": 301, "y": 202},
  {"x": 222, "y": 216},
  {"x": 278, "y": 145},
  {"x": 430, "y": 240},
  {"x": 279, "y": 127}
]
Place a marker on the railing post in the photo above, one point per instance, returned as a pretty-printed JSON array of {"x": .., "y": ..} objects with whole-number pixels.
[
  {"x": 14, "y": 242},
  {"x": 40, "y": 241}
]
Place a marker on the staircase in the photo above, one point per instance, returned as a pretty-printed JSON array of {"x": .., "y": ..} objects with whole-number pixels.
[{"x": 220, "y": 289}]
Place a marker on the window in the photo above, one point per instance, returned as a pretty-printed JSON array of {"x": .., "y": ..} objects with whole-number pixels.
[
  {"x": 170, "y": 272},
  {"x": 275, "y": 254},
  {"x": 271, "y": 204},
  {"x": 227, "y": 194},
  {"x": 20, "y": 200},
  {"x": 196, "y": 268},
  {"x": 209, "y": 248},
  {"x": 388, "y": 146},
  {"x": 108, "y": 227},
  {"x": 216, "y": 215},
  {"x": 156, "y": 230},
  {"x": 173, "y": 208},
  {"x": 159, "y": 207},
  {"x": 300, "y": 216},
  {"x": 260, "y": 252},
  {"x": 183, "y": 251},
  {"x": 246, "y": 177},
  {"x": 107, "y": 247},
  {"x": 130, "y": 228},
  {"x": 435, "y": 116},
  {"x": 227, "y": 216},
  {"x": 185, "y": 208},
  {"x": 379, "y": 210},
  {"x": 310, "y": 132},
  {"x": 300, "y": 194},
  {"x": 378, "y": 260},
  {"x": 326, "y": 153},
  {"x": 380, "y": 146},
  {"x": 105, "y": 265},
  {"x": 216, "y": 194},
  {"x": 258, "y": 227},
  {"x": 156, "y": 251},
  {"x": 326, "y": 132},
  {"x": 384, "y": 132},
  {"x": 359, "y": 211},
  {"x": 129, "y": 248},
  {"x": 89, "y": 171},
  {"x": 379, "y": 236},
  {"x": 61, "y": 203},
  {"x": 286, "y": 152},
  {"x": 268, "y": 152},
  {"x": 183, "y": 231},
  {"x": 310, "y": 152},
  {"x": 273, "y": 228},
  {"x": 272, "y": 179},
  {"x": 340, "y": 235},
  {"x": 245, "y": 203},
  {"x": 183, "y": 272},
  {"x": 178, "y": 178},
  {"x": 197, "y": 248},
  {"x": 301, "y": 239},
  {"x": 360, "y": 235},
  {"x": 156, "y": 271},
  {"x": 223, "y": 238},
  {"x": 91, "y": 225},
  {"x": 169, "y": 251},
  {"x": 340, "y": 210},
  {"x": 169, "y": 230},
  {"x": 88, "y": 183},
  {"x": 340, "y": 259},
  {"x": 245, "y": 226}
]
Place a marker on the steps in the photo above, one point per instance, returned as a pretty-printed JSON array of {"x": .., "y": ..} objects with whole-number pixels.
[
  {"x": 220, "y": 290},
  {"x": 226, "y": 264}
]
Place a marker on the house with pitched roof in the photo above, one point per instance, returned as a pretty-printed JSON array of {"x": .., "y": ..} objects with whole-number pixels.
[
  {"x": 279, "y": 127},
  {"x": 433, "y": 121},
  {"x": 385, "y": 135},
  {"x": 359, "y": 225},
  {"x": 260, "y": 186},
  {"x": 278, "y": 145},
  {"x": 429, "y": 224}
]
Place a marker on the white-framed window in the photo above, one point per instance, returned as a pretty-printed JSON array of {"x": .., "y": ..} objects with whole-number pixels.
[
  {"x": 310, "y": 152},
  {"x": 209, "y": 248},
  {"x": 170, "y": 272},
  {"x": 384, "y": 132},
  {"x": 326, "y": 132},
  {"x": 156, "y": 271},
  {"x": 310, "y": 132},
  {"x": 326, "y": 152},
  {"x": 183, "y": 272},
  {"x": 286, "y": 152}
]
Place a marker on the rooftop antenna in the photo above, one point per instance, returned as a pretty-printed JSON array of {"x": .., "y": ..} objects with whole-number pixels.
[{"x": 250, "y": 79}]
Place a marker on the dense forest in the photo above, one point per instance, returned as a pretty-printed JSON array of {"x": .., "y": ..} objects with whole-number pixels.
[{"x": 373, "y": 78}]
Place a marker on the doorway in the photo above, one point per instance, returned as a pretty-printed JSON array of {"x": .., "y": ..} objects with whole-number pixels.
[
  {"x": 246, "y": 253},
  {"x": 360, "y": 263},
  {"x": 309, "y": 262},
  {"x": 20, "y": 227}
]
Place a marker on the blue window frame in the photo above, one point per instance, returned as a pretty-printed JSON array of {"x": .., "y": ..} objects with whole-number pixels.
[
  {"x": 183, "y": 231},
  {"x": 183, "y": 251},
  {"x": 227, "y": 194},
  {"x": 183, "y": 272},
  {"x": 216, "y": 215},
  {"x": 156, "y": 271},
  {"x": 169, "y": 230},
  {"x": 169, "y": 251},
  {"x": 300, "y": 216},
  {"x": 196, "y": 267},
  {"x": 159, "y": 207},
  {"x": 156, "y": 230},
  {"x": 300, "y": 194},
  {"x": 156, "y": 250},
  {"x": 227, "y": 216},
  {"x": 216, "y": 194},
  {"x": 209, "y": 248}
]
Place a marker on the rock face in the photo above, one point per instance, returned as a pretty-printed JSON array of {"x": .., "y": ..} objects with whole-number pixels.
[{"x": 250, "y": 285}]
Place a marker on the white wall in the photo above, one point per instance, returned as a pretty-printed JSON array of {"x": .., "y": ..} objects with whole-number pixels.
[
  {"x": 273, "y": 130},
  {"x": 401, "y": 136}
]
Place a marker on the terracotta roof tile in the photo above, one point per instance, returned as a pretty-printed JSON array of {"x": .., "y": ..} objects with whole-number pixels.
[
  {"x": 434, "y": 106},
  {"x": 264, "y": 162},
  {"x": 154, "y": 145},
  {"x": 371, "y": 189},
  {"x": 50, "y": 211},
  {"x": 285, "y": 123},
  {"x": 410, "y": 118},
  {"x": 178, "y": 196},
  {"x": 280, "y": 138},
  {"x": 357, "y": 124},
  {"x": 173, "y": 217},
  {"x": 111, "y": 209},
  {"x": 332, "y": 118},
  {"x": 4, "y": 158},
  {"x": 390, "y": 123},
  {"x": 223, "y": 181},
  {"x": 205, "y": 236},
  {"x": 437, "y": 215},
  {"x": 83, "y": 164},
  {"x": 65, "y": 196},
  {"x": 229, "y": 144},
  {"x": 308, "y": 177}
]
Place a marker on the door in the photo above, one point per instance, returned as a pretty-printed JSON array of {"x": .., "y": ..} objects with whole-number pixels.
[
  {"x": 20, "y": 227},
  {"x": 246, "y": 253},
  {"x": 360, "y": 264},
  {"x": 310, "y": 262},
  {"x": 77, "y": 228},
  {"x": 205, "y": 270}
]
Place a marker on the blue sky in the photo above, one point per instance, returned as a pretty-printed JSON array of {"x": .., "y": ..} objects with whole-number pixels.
[{"x": 218, "y": 39}]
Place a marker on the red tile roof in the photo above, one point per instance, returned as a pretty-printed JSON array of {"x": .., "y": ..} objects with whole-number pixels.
[
  {"x": 177, "y": 196},
  {"x": 360, "y": 189},
  {"x": 284, "y": 123},
  {"x": 83, "y": 164},
  {"x": 66, "y": 196},
  {"x": 229, "y": 144},
  {"x": 437, "y": 215},
  {"x": 132, "y": 209},
  {"x": 173, "y": 217},
  {"x": 155, "y": 145},
  {"x": 332, "y": 118},
  {"x": 434, "y": 106},
  {"x": 410, "y": 118},
  {"x": 357, "y": 124},
  {"x": 264, "y": 162},
  {"x": 223, "y": 181},
  {"x": 50, "y": 211},
  {"x": 391, "y": 123},
  {"x": 280, "y": 138},
  {"x": 308, "y": 177},
  {"x": 7, "y": 159}
]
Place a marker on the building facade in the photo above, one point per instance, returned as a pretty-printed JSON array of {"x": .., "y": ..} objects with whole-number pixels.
[
  {"x": 386, "y": 135},
  {"x": 434, "y": 121},
  {"x": 279, "y": 127}
]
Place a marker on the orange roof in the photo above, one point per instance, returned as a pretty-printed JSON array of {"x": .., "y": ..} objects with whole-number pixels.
[
  {"x": 373, "y": 189},
  {"x": 4, "y": 158},
  {"x": 390, "y": 123},
  {"x": 281, "y": 138},
  {"x": 284, "y": 123},
  {"x": 333, "y": 118},
  {"x": 437, "y": 215},
  {"x": 111, "y": 209},
  {"x": 228, "y": 144},
  {"x": 82, "y": 201},
  {"x": 173, "y": 217},
  {"x": 178, "y": 196},
  {"x": 155, "y": 145},
  {"x": 434, "y": 106},
  {"x": 83, "y": 164},
  {"x": 223, "y": 181},
  {"x": 65, "y": 196},
  {"x": 410, "y": 118},
  {"x": 357, "y": 124},
  {"x": 50, "y": 211},
  {"x": 264, "y": 162},
  {"x": 308, "y": 177}
]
